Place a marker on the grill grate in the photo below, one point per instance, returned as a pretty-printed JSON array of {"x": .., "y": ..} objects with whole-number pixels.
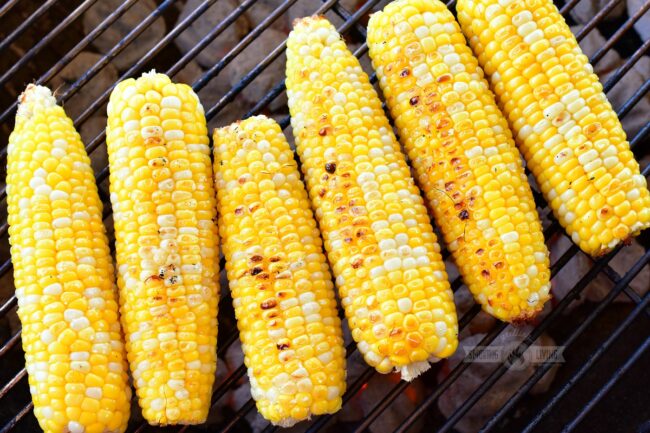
[{"x": 21, "y": 419}]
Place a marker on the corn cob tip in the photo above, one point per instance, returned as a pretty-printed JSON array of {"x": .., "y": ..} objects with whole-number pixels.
[
  {"x": 34, "y": 96},
  {"x": 414, "y": 369}
]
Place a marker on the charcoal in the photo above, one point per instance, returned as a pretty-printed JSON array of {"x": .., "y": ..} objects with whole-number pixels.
[
  {"x": 267, "y": 79},
  {"x": 642, "y": 26},
  {"x": 89, "y": 92},
  {"x": 215, "y": 14},
  {"x": 585, "y": 10},
  {"x": 474, "y": 376},
  {"x": 120, "y": 28}
]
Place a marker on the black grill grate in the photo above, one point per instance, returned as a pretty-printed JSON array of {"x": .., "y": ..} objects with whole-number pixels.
[{"x": 20, "y": 418}]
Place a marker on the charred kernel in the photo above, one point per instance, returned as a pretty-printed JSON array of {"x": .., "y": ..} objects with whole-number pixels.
[
  {"x": 282, "y": 346},
  {"x": 268, "y": 304},
  {"x": 323, "y": 131},
  {"x": 256, "y": 270},
  {"x": 480, "y": 251},
  {"x": 414, "y": 100},
  {"x": 239, "y": 210},
  {"x": 404, "y": 72},
  {"x": 444, "y": 78},
  {"x": 463, "y": 215},
  {"x": 330, "y": 167},
  {"x": 256, "y": 258}
]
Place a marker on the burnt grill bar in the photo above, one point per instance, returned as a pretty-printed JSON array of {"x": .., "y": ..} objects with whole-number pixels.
[{"x": 350, "y": 20}]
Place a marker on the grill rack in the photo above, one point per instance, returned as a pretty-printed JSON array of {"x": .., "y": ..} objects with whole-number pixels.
[{"x": 351, "y": 21}]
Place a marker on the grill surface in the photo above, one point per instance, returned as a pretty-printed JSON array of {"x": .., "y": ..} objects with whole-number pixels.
[{"x": 45, "y": 38}]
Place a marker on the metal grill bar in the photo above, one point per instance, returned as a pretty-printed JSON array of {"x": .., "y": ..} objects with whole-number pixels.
[
  {"x": 620, "y": 32},
  {"x": 610, "y": 383},
  {"x": 392, "y": 395},
  {"x": 216, "y": 31},
  {"x": 140, "y": 63},
  {"x": 29, "y": 55},
  {"x": 543, "y": 369},
  {"x": 26, "y": 24},
  {"x": 618, "y": 74},
  {"x": 7, "y": 6},
  {"x": 535, "y": 334},
  {"x": 67, "y": 59},
  {"x": 20, "y": 415},
  {"x": 596, "y": 19}
]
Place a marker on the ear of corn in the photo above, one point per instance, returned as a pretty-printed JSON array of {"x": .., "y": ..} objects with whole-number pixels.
[
  {"x": 63, "y": 274},
  {"x": 464, "y": 155},
  {"x": 377, "y": 233},
  {"x": 166, "y": 245},
  {"x": 281, "y": 285},
  {"x": 565, "y": 127}
]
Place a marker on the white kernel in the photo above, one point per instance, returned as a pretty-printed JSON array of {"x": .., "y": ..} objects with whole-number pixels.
[
  {"x": 567, "y": 195},
  {"x": 166, "y": 336},
  {"x": 588, "y": 156},
  {"x": 60, "y": 223},
  {"x": 563, "y": 156},
  {"x": 47, "y": 337},
  {"x": 474, "y": 152},
  {"x": 633, "y": 194},
  {"x": 53, "y": 289},
  {"x": 157, "y": 404},
  {"x": 451, "y": 59},
  {"x": 534, "y": 36},
  {"x": 97, "y": 303},
  {"x": 423, "y": 261},
  {"x": 170, "y": 102},
  {"x": 393, "y": 264},
  {"x": 194, "y": 365},
  {"x": 610, "y": 161},
  {"x": 131, "y": 125},
  {"x": 404, "y": 305},
  {"x": 510, "y": 237},
  {"x": 593, "y": 165},
  {"x": 569, "y": 217},
  {"x": 165, "y": 185},
  {"x": 94, "y": 392},
  {"x": 401, "y": 239},
  {"x": 80, "y": 323},
  {"x": 75, "y": 427},
  {"x": 70, "y": 314},
  {"x": 522, "y": 281},
  {"x": 409, "y": 263},
  {"x": 387, "y": 244},
  {"x": 43, "y": 190},
  {"x": 533, "y": 299},
  {"x": 80, "y": 366},
  {"x": 174, "y": 134}
]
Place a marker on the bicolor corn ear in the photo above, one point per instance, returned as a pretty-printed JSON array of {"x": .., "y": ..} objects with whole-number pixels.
[
  {"x": 281, "y": 284},
  {"x": 464, "y": 156},
  {"x": 63, "y": 274},
  {"x": 564, "y": 125},
  {"x": 166, "y": 245},
  {"x": 377, "y": 233}
]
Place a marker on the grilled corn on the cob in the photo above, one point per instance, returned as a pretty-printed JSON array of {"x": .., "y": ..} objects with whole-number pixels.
[
  {"x": 166, "y": 241},
  {"x": 565, "y": 127},
  {"x": 463, "y": 154},
  {"x": 377, "y": 233},
  {"x": 281, "y": 285},
  {"x": 63, "y": 274}
]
